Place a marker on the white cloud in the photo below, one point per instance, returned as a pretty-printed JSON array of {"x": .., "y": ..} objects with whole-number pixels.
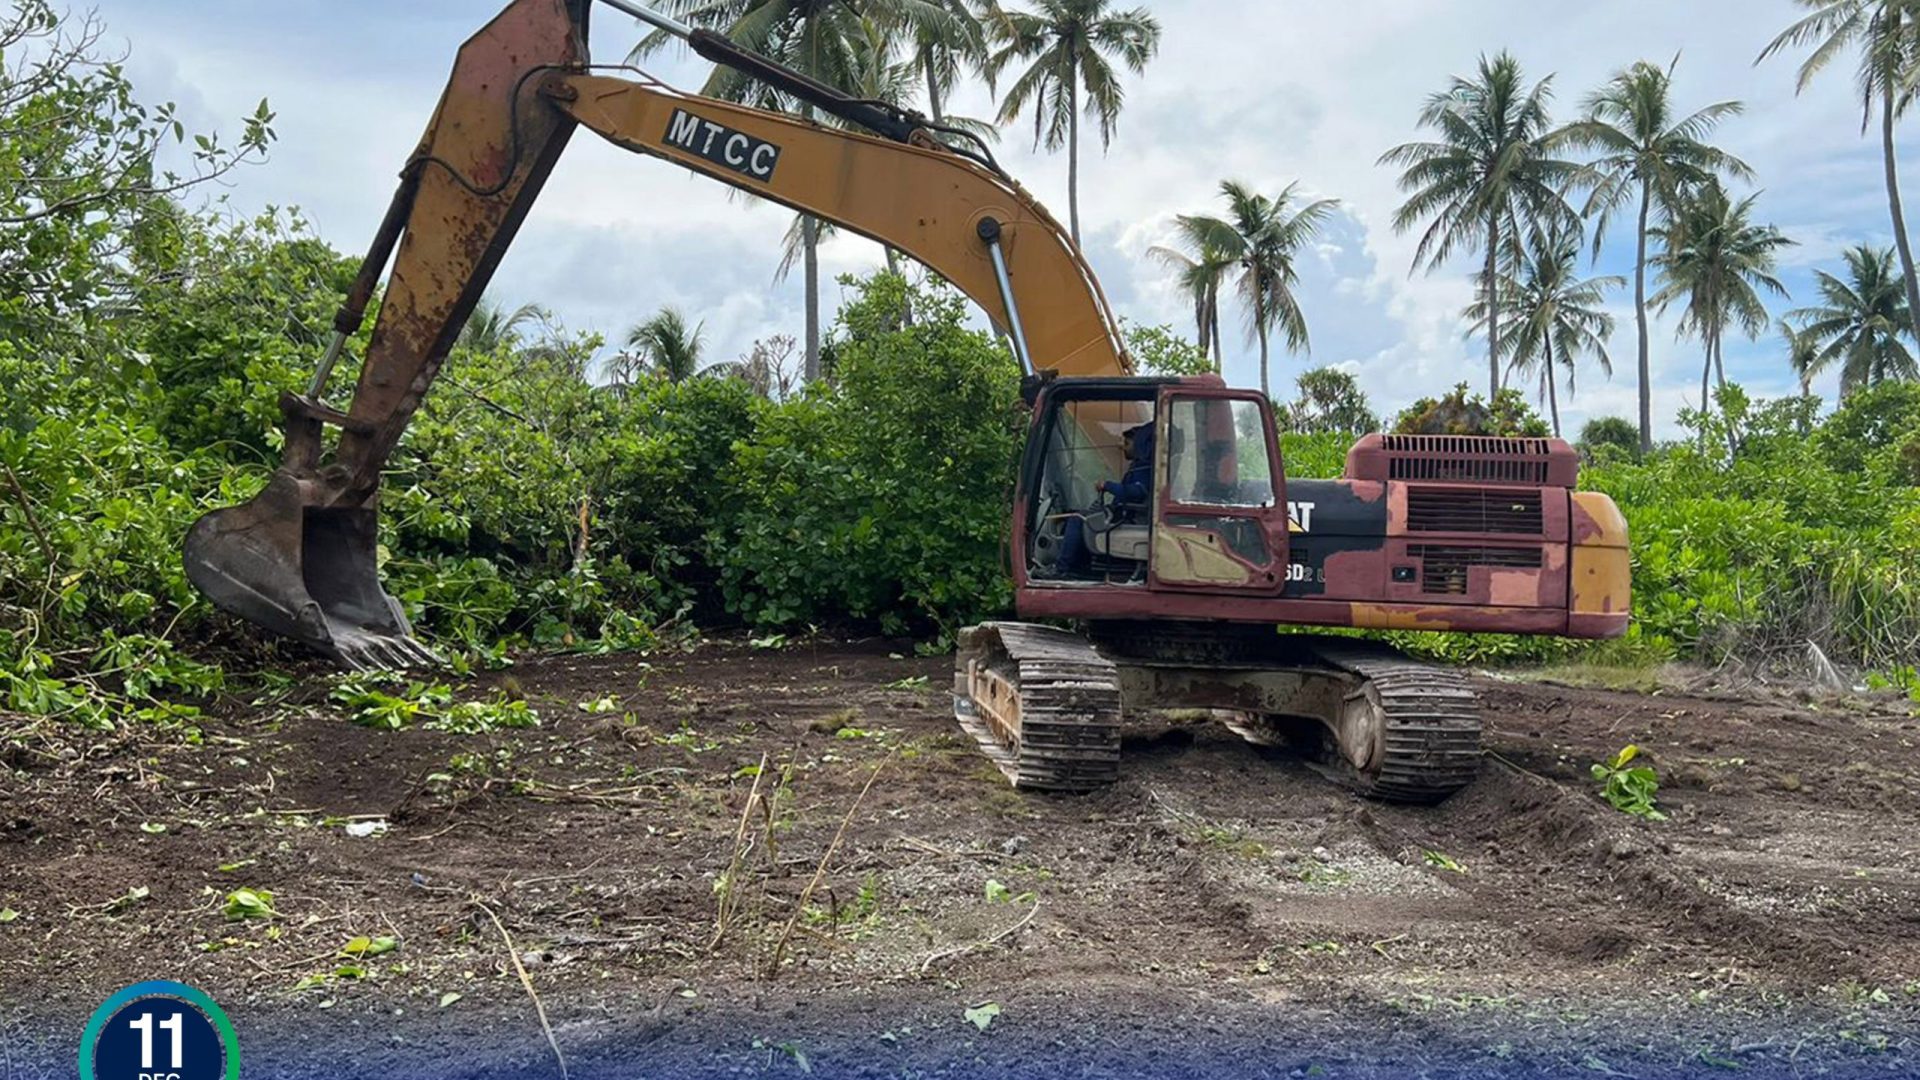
[{"x": 1266, "y": 91}]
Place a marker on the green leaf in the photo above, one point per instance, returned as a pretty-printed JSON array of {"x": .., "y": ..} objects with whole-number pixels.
[
  {"x": 249, "y": 904},
  {"x": 449, "y": 998},
  {"x": 369, "y": 947},
  {"x": 998, "y": 893},
  {"x": 152, "y": 828},
  {"x": 7, "y": 915},
  {"x": 983, "y": 1015}
]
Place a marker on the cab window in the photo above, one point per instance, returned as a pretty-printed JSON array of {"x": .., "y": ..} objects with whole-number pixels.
[{"x": 1217, "y": 453}]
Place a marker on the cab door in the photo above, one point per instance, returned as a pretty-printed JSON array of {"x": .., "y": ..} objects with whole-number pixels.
[{"x": 1220, "y": 504}]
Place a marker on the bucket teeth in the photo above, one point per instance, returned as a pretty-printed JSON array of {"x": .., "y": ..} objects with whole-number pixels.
[{"x": 305, "y": 572}]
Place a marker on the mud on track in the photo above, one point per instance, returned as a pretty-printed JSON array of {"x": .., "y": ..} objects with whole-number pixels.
[{"x": 1221, "y": 907}]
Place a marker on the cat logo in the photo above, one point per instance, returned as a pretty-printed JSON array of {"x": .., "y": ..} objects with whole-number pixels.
[
  {"x": 1300, "y": 516},
  {"x": 733, "y": 150}
]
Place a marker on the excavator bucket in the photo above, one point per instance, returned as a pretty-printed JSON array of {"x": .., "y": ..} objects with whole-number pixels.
[{"x": 304, "y": 572}]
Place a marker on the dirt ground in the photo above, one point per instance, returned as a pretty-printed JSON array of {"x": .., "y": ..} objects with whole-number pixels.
[{"x": 1222, "y": 910}]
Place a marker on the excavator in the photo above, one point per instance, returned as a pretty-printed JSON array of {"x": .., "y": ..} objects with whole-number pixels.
[{"x": 1151, "y": 514}]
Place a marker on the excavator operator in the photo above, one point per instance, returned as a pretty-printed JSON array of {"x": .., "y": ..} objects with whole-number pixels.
[
  {"x": 1130, "y": 498},
  {"x": 1132, "y": 491}
]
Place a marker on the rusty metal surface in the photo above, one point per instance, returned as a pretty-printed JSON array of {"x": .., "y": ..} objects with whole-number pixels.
[
  {"x": 301, "y": 558},
  {"x": 1375, "y": 552},
  {"x": 1464, "y": 459},
  {"x": 1302, "y": 692},
  {"x": 1042, "y": 704},
  {"x": 1394, "y": 729}
]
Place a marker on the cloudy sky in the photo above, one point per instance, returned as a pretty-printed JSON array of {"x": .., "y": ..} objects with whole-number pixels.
[{"x": 1265, "y": 91}]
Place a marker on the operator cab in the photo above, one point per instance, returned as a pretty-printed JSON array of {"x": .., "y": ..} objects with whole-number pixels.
[{"x": 1153, "y": 483}]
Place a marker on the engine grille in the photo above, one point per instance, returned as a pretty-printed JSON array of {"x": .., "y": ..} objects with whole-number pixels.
[
  {"x": 1444, "y": 567},
  {"x": 1465, "y": 510},
  {"x": 1454, "y": 457},
  {"x": 1464, "y": 459}
]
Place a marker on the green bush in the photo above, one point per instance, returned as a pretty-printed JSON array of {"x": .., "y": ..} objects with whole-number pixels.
[
  {"x": 885, "y": 498},
  {"x": 1607, "y": 438},
  {"x": 1461, "y": 413},
  {"x": 1315, "y": 457}
]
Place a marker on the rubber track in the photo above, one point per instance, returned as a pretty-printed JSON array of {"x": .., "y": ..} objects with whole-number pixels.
[
  {"x": 1069, "y": 707},
  {"x": 1432, "y": 736}
]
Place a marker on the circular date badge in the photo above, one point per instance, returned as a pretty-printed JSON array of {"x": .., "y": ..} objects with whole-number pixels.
[{"x": 159, "y": 1031}]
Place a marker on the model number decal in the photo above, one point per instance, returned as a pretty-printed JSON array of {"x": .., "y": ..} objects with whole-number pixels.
[
  {"x": 720, "y": 144},
  {"x": 1303, "y": 573}
]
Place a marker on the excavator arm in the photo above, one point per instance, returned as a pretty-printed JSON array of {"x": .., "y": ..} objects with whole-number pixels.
[{"x": 299, "y": 559}]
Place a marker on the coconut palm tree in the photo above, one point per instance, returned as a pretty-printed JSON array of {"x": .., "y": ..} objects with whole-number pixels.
[
  {"x": 1558, "y": 314},
  {"x": 1260, "y": 237},
  {"x": 1649, "y": 157},
  {"x": 1860, "y": 324},
  {"x": 814, "y": 38},
  {"x": 1803, "y": 352},
  {"x": 945, "y": 39},
  {"x": 1200, "y": 275},
  {"x": 1491, "y": 171},
  {"x": 1887, "y": 35},
  {"x": 1065, "y": 46},
  {"x": 1718, "y": 262},
  {"x": 662, "y": 347},
  {"x": 492, "y": 327}
]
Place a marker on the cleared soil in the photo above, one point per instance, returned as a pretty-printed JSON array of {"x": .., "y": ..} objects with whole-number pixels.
[{"x": 1222, "y": 909}]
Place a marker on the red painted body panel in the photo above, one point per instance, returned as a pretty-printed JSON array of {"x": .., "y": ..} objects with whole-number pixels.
[{"x": 1475, "y": 536}]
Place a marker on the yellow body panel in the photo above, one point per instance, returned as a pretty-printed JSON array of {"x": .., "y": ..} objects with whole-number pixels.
[
  {"x": 1194, "y": 557},
  {"x": 1602, "y": 580}
]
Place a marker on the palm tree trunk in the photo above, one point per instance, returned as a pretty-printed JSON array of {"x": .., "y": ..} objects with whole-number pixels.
[
  {"x": 1073, "y": 152},
  {"x": 1553, "y": 391},
  {"x": 933, "y": 87},
  {"x": 1219, "y": 354},
  {"x": 1260, "y": 324},
  {"x": 1900, "y": 240},
  {"x": 1490, "y": 292},
  {"x": 893, "y": 267},
  {"x": 1640, "y": 319},
  {"x": 1720, "y": 370},
  {"x": 1706, "y": 402},
  {"x": 810, "y": 237}
]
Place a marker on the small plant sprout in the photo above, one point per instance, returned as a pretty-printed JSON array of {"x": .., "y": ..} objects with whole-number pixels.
[
  {"x": 1629, "y": 790},
  {"x": 1440, "y": 860},
  {"x": 245, "y": 904}
]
